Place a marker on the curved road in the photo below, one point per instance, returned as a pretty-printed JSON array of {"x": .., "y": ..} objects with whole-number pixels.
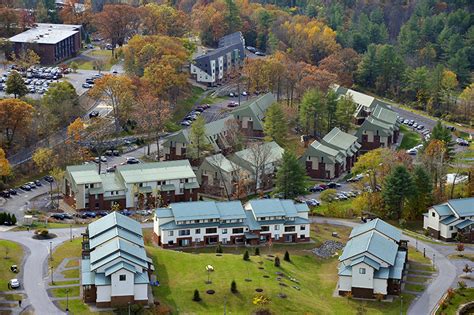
[
  {"x": 35, "y": 267},
  {"x": 447, "y": 273}
]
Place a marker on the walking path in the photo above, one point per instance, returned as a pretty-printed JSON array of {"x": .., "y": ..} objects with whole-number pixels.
[{"x": 446, "y": 277}]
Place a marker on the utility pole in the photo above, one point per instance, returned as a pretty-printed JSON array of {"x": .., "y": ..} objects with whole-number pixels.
[
  {"x": 52, "y": 279},
  {"x": 401, "y": 304},
  {"x": 70, "y": 233},
  {"x": 128, "y": 308}
]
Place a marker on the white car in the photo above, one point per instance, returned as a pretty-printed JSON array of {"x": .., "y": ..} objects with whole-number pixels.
[
  {"x": 244, "y": 93},
  {"x": 14, "y": 284},
  {"x": 412, "y": 151}
]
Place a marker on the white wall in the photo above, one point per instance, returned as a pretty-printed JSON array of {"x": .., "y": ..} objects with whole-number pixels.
[
  {"x": 345, "y": 283},
  {"x": 363, "y": 280},
  {"x": 121, "y": 288},
  {"x": 103, "y": 293},
  {"x": 141, "y": 292},
  {"x": 380, "y": 286},
  {"x": 329, "y": 164},
  {"x": 433, "y": 220}
]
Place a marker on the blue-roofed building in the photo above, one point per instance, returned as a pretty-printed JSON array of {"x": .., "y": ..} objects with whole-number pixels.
[
  {"x": 373, "y": 261},
  {"x": 205, "y": 223},
  {"x": 451, "y": 220},
  {"x": 115, "y": 269}
]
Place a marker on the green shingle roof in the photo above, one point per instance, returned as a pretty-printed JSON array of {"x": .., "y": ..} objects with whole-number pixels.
[
  {"x": 255, "y": 109},
  {"x": 380, "y": 226},
  {"x": 463, "y": 207},
  {"x": 157, "y": 171},
  {"x": 112, "y": 220},
  {"x": 84, "y": 174}
]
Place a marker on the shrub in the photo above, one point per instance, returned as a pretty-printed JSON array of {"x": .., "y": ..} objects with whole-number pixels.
[
  {"x": 460, "y": 247},
  {"x": 13, "y": 219},
  {"x": 260, "y": 299},
  {"x": 246, "y": 255},
  {"x": 257, "y": 251},
  {"x": 42, "y": 232},
  {"x": 462, "y": 285},
  {"x": 287, "y": 257},
  {"x": 233, "y": 287},
  {"x": 219, "y": 249},
  {"x": 263, "y": 311},
  {"x": 277, "y": 261},
  {"x": 379, "y": 297},
  {"x": 328, "y": 195},
  {"x": 196, "y": 297}
]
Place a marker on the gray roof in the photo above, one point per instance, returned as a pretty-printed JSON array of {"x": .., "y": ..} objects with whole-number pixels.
[
  {"x": 221, "y": 162},
  {"x": 120, "y": 265},
  {"x": 463, "y": 207},
  {"x": 200, "y": 210},
  {"x": 382, "y": 273},
  {"x": 248, "y": 158},
  {"x": 84, "y": 174},
  {"x": 317, "y": 149},
  {"x": 340, "y": 139},
  {"x": 114, "y": 219},
  {"x": 386, "y": 115},
  {"x": 380, "y": 226},
  {"x": 372, "y": 243},
  {"x": 255, "y": 109},
  {"x": 230, "y": 39},
  {"x": 116, "y": 248},
  {"x": 157, "y": 171},
  {"x": 251, "y": 221},
  {"x": 373, "y": 124},
  {"x": 45, "y": 33}
]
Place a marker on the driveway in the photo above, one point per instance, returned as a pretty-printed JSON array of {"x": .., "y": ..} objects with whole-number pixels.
[
  {"x": 446, "y": 278},
  {"x": 35, "y": 268}
]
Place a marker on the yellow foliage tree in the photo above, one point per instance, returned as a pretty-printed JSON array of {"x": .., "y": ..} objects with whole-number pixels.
[
  {"x": 5, "y": 168},
  {"x": 44, "y": 159}
]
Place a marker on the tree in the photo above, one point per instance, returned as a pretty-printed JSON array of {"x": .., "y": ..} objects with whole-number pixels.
[
  {"x": 467, "y": 101},
  {"x": 197, "y": 137},
  {"x": 246, "y": 256},
  {"x": 219, "y": 249},
  {"x": 371, "y": 164},
  {"x": 196, "y": 296},
  {"x": 311, "y": 112},
  {"x": 398, "y": 187},
  {"x": 233, "y": 287},
  {"x": 257, "y": 251},
  {"x": 232, "y": 17},
  {"x": 277, "y": 261},
  {"x": 164, "y": 20},
  {"x": 5, "y": 168},
  {"x": 275, "y": 125},
  {"x": 449, "y": 83},
  {"x": 74, "y": 66},
  {"x": 328, "y": 195},
  {"x": 117, "y": 91},
  {"x": 259, "y": 154},
  {"x": 25, "y": 59},
  {"x": 58, "y": 175},
  {"x": 44, "y": 159},
  {"x": 15, "y": 118},
  {"x": 443, "y": 134},
  {"x": 60, "y": 104},
  {"x": 291, "y": 177},
  {"x": 75, "y": 137},
  {"x": 345, "y": 109},
  {"x": 460, "y": 248},
  {"x": 434, "y": 159},
  {"x": 116, "y": 22},
  {"x": 287, "y": 257},
  {"x": 98, "y": 134},
  {"x": 423, "y": 193},
  {"x": 9, "y": 20},
  {"x": 16, "y": 85}
]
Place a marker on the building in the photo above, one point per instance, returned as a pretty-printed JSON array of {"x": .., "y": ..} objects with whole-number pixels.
[
  {"x": 85, "y": 189},
  {"x": 252, "y": 113},
  {"x": 175, "y": 145},
  {"x": 329, "y": 158},
  {"x": 373, "y": 261},
  {"x": 221, "y": 176},
  {"x": 115, "y": 269},
  {"x": 453, "y": 220},
  {"x": 214, "y": 66},
  {"x": 52, "y": 42},
  {"x": 374, "y": 133},
  {"x": 206, "y": 223}
]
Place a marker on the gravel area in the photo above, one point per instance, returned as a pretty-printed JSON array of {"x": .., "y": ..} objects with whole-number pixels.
[{"x": 328, "y": 248}]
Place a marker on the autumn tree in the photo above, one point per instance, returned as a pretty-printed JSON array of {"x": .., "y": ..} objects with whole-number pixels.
[
  {"x": 345, "y": 109},
  {"x": 60, "y": 104},
  {"x": 258, "y": 158},
  {"x": 117, "y": 91},
  {"x": 197, "y": 137},
  {"x": 76, "y": 133},
  {"x": 467, "y": 102},
  {"x": 16, "y": 85},
  {"x": 44, "y": 159},
  {"x": 291, "y": 176},
  {"x": 15, "y": 118},
  {"x": 5, "y": 168},
  {"x": 342, "y": 63},
  {"x": 164, "y": 20},
  {"x": 73, "y": 13},
  {"x": 371, "y": 164},
  {"x": 25, "y": 59},
  {"x": 209, "y": 21},
  {"x": 434, "y": 158},
  {"x": 8, "y": 21},
  {"x": 449, "y": 83},
  {"x": 97, "y": 134},
  {"x": 234, "y": 135},
  {"x": 116, "y": 22},
  {"x": 275, "y": 126}
]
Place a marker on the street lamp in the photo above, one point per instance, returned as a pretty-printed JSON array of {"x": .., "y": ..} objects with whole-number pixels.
[
  {"x": 51, "y": 251},
  {"x": 70, "y": 233},
  {"x": 52, "y": 279},
  {"x": 401, "y": 304},
  {"x": 128, "y": 308}
]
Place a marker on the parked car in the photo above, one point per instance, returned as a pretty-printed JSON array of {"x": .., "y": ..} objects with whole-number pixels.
[
  {"x": 312, "y": 202},
  {"x": 12, "y": 192},
  {"x": 185, "y": 123},
  {"x": 452, "y": 128},
  {"x": 334, "y": 185},
  {"x": 68, "y": 216},
  {"x": 5, "y": 194},
  {"x": 232, "y": 104},
  {"x": 14, "y": 284},
  {"x": 412, "y": 151},
  {"x": 316, "y": 188},
  {"x": 111, "y": 169},
  {"x": 126, "y": 212},
  {"x": 356, "y": 178},
  {"x": 102, "y": 213},
  {"x": 244, "y": 93},
  {"x": 462, "y": 142},
  {"x": 49, "y": 178},
  {"x": 132, "y": 160},
  {"x": 38, "y": 183},
  {"x": 86, "y": 85},
  {"x": 58, "y": 216},
  {"x": 25, "y": 187},
  {"x": 231, "y": 94},
  {"x": 420, "y": 127},
  {"x": 259, "y": 53},
  {"x": 93, "y": 114},
  {"x": 32, "y": 185},
  {"x": 90, "y": 214}
]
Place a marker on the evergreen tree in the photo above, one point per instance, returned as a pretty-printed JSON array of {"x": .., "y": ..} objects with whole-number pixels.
[
  {"x": 397, "y": 189},
  {"x": 344, "y": 112},
  {"x": 287, "y": 257},
  {"x": 423, "y": 194},
  {"x": 198, "y": 141},
  {"x": 8, "y": 219},
  {"x": 246, "y": 256},
  {"x": 331, "y": 110},
  {"x": 368, "y": 71},
  {"x": 13, "y": 219},
  {"x": 275, "y": 127},
  {"x": 257, "y": 251},
  {"x": 219, "y": 249},
  {"x": 291, "y": 176},
  {"x": 312, "y": 112},
  {"x": 443, "y": 134},
  {"x": 233, "y": 287},
  {"x": 277, "y": 261},
  {"x": 232, "y": 17},
  {"x": 196, "y": 296},
  {"x": 16, "y": 85}
]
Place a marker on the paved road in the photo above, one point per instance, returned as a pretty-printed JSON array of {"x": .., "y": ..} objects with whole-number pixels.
[
  {"x": 35, "y": 268},
  {"x": 446, "y": 277}
]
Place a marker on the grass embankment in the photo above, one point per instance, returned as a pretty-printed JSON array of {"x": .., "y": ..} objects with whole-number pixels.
[
  {"x": 11, "y": 253},
  {"x": 62, "y": 292},
  {"x": 410, "y": 138},
  {"x": 336, "y": 209},
  {"x": 50, "y": 225},
  {"x": 105, "y": 56},
  {"x": 462, "y": 256},
  {"x": 66, "y": 250},
  {"x": 461, "y": 296}
]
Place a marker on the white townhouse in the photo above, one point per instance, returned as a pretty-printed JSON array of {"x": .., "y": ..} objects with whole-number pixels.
[
  {"x": 114, "y": 267},
  {"x": 453, "y": 220},
  {"x": 204, "y": 223},
  {"x": 373, "y": 261}
]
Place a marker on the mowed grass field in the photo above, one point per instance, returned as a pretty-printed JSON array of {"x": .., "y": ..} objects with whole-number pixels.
[
  {"x": 410, "y": 138},
  {"x": 10, "y": 254}
]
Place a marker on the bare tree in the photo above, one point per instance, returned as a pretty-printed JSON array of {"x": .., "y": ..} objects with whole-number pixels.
[
  {"x": 259, "y": 154},
  {"x": 98, "y": 134},
  {"x": 234, "y": 136}
]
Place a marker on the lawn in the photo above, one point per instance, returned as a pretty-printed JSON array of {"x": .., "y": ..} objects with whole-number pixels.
[
  {"x": 61, "y": 292},
  {"x": 417, "y": 279},
  {"x": 336, "y": 209},
  {"x": 10, "y": 254},
  {"x": 414, "y": 287},
  {"x": 105, "y": 55},
  {"x": 461, "y": 296},
  {"x": 464, "y": 256},
  {"x": 417, "y": 256},
  {"x": 49, "y": 225},
  {"x": 185, "y": 105},
  {"x": 66, "y": 282},
  {"x": 72, "y": 273},
  {"x": 76, "y": 306},
  {"x": 180, "y": 273},
  {"x": 66, "y": 250},
  {"x": 410, "y": 138}
]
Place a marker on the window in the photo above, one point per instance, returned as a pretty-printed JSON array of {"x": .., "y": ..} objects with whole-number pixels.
[
  {"x": 362, "y": 271},
  {"x": 451, "y": 228},
  {"x": 433, "y": 214},
  {"x": 302, "y": 236},
  {"x": 277, "y": 227},
  {"x": 184, "y": 232},
  {"x": 289, "y": 228},
  {"x": 198, "y": 231},
  {"x": 224, "y": 241},
  {"x": 211, "y": 230},
  {"x": 122, "y": 277},
  {"x": 237, "y": 231},
  {"x": 277, "y": 237},
  {"x": 170, "y": 233},
  {"x": 302, "y": 227},
  {"x": 224, "y": 231},
  {"x": 265, "y": 228}
]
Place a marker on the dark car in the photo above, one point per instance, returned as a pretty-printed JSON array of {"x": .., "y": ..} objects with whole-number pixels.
[
  {"x": 126, "y": 212},
  {"x": 316, "y": 188},
  {"x": 26, "y": 187},
  {"x": 49, "y": 178},
  {"x": 5, "y": 194},
  {"x": 90, "y": 214},
  {"x": 93, "y": 114},
  {"x": 89, "y": 81},
  {"x": 116, "y": 153},
  {"x": 13, "y": 191},
  {"x": 68, "y": 216},
  {"x": 58, "y": 216},
  {"x": 333, "y": 185},
  {"x": 38, "y": 183},
  {"x": 102, "y": 213}
]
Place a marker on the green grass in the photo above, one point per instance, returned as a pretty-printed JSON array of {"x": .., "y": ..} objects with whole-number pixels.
[
  {"x": 414, "y": 287},
  {"x": 464, "y": 256},
  {"x": 66, "y": 250},
  {"x": 414, "y": 267},
  {"x": 336, "y": 209},
  {"x": 72, "y": 273},
  {"x": 185, "y": 105},
  {"x": 11, "y": 297},
  {"x": 417, "y": 256},
  {"x": 417, "y": 279},
  {"x": 10, "y": 254},
  {"x": 65, "y": 282},
  {"x": 410, "y": 138},
  {"x": 73, "y": 263},
  {"x": 77, "y": 307},
  {"x": 49, "y": 225},
  {"x": 462, "y": 296},
  {"x": 61, "y": 292}
]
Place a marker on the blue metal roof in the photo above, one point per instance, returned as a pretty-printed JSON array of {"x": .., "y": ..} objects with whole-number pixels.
[
  {"x": 118, "y": 266},
  {"x": 396, "y": 271},
  {"x": 230, "y": 210},
  {"x": 87, "y": 277},
  {"x": 372, "y": 243},
  {"x": 463, "y": 207},
  {"x": 345, "y": 270},
  {"x": 101, "y": 279},
  {"x": 380, "y": 226},
  {"x": 366, "y": 260},
  {"x": 276, "y": 207},
  {"x": 117, "y": 248},
  {"x": 112, "y": 220},
  {"x": 164, "y": 213},
  {"x": 382, "y": 273},
  {"x": 464, "y": 224},
  {"x": 448, "y": 220},
  {"x": 443, "y": 210},
  {"x": 251, "y": 222},
  {"x": 112, "y": 233}
]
